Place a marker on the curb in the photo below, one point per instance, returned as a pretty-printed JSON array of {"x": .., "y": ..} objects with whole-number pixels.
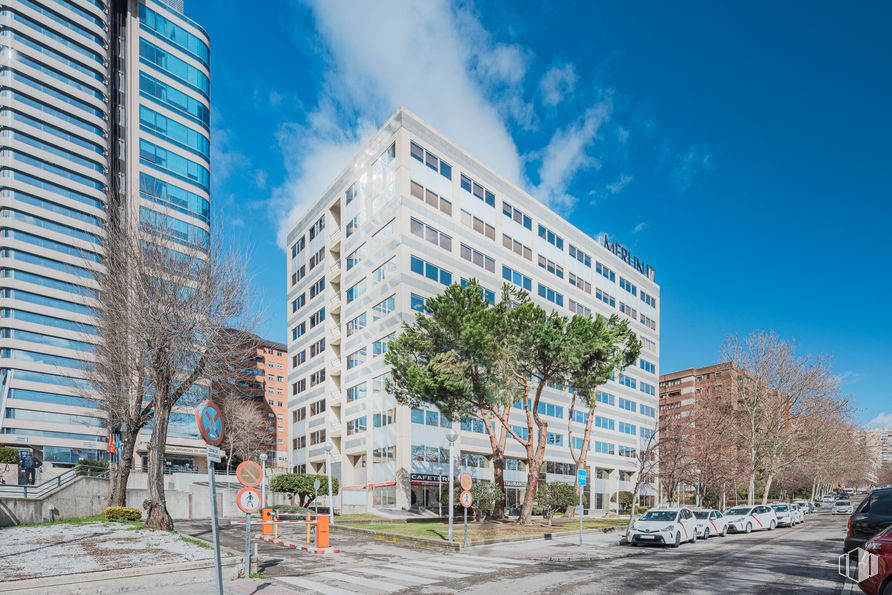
[
  {"x": 304, "y": 548},
  {"x": 422, "y": 542}
]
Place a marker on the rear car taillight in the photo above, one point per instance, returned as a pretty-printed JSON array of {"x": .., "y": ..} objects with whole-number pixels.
[{"x": 850, "y": 533}]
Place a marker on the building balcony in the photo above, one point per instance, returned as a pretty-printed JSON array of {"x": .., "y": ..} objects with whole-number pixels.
[
  {"x": 334, "y": 271},
  {"x": 334, "y": 303},
  {"x": 334, "y": 240},
  {"x": 334, "y": 335},
  {"x": 334, "y": 365}
]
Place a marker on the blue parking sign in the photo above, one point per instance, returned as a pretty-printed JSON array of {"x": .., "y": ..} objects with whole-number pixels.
[{"x": 580, "y": 477}]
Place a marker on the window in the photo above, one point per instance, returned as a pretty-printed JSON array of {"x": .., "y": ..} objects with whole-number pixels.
[
  {"x": 317, "y": 407},
  {"x": 298, "y": 302},
  {"x": 385, "y": 418},
  {"x": 317, "y": 317},
  {"x": 605, "y": 448},
  {"x": 488, "y": 294},
  {"x": 561, "y": 468},
  {"x": 648, "y": 389},
  {"x": 478, "y": 258},
  {"x": 577, "y": 308},
  {"x": 605, "y": 297},
  {"x": 356, "y": 392},
  {"x": 472, "y": 424},
  {"x": 316, "y": 258},
  {"x": 429, "y": 417},
  {"x": 580, "y": 256},
  {"x": 317, "y": 287},
  {"x": 517, "y": 215},
  {"x": 648, "y": 299},
  {"x": 627, "y": 451},
  {"x": 299, "y": 359},
  {"x": 432, "y": 235},
  {"x": 379, "y": 347},
  {"x": 317, "y": 227},
  {"x": 554, "y": 438},
  {"x": 517, "y": 278},
  {"x": 356, "y": 291},
  {"x": 317, "y": 347},
  {"x": 648, "y": 322},
  {"x": 627, "y": 381},
  {"x": 299, "y": 414},
  {"x": 550, "y": 409},
  {"x": 551, "y": 266},
  {"x": 628, "y": 286},
  {"x": 605, "y": 272},
  {"x": 430, "y": 454},
  {"x": 580, "y": 416},
  {"x": 431, "y": 271},
  {"x": 626, "y": 404},
  {"x": 387, "y": 453},
  {"x": 648, "y": 411},
  {"x": 605, "y": 398},
  {"x": 298, "y": 246},
  {"x": 646, "y": 433},
  {"x": 357, "y": 425},
  {"x": 431, "y": 198},
  {"x": 384, "y": 271},
  {"x": 551, "y": 295},
  {"x": 357, "y": 358},
  {"x": 551, "y": 237},
  {"x": 317, "y": 437},
  {"x": 353, "y": 225},
  {"x": 317, "y": 377},
  {"x": 298, "y": 275},
  {"x": 383, "y": 308},
  {"x": 357, "y": 324},
  {"x": 417, "y": 302},
  {"x": 647, "y": 366},
  {"x": 355, "y": 257},
  {"x": 429, "y": 159},
  {"x": 298, "y": 331},
  {"x": 468, "y": 459},
  {"x": 299, "y": 386},
  {"x": 627, "y": 428},
  {"x": 517, "y": 247},
  {"x": 604, "y": 422},
  {"x": 478, "y": 225},
  {"x": 628, "y": 310},
  {"x": 579, "y": 283},
  {"x": 477, "y": 190}
]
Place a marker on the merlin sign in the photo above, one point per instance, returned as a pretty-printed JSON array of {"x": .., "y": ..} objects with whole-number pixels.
[{"x": 623, "y": 254}]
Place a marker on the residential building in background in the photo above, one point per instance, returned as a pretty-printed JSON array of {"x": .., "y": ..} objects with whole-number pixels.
[
  {"x": 411, "y": 214},
  {"x": 881, "y": 441},
  {"x": 272, "y": 371},
  {"x": 105, "y": 111},
  {"x": 680, "y": 391}
]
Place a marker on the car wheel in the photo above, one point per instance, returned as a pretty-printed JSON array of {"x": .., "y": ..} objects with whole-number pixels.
[
  {"x": 771, "y": 526},
  {"x": 749, "y": 528},
  {"x": 677, "y": 540},
  {"x": 694, "y": 536},
  {"x": 706, "y": 533},
  {"x": 887, "y": 588},
  {"x": 725, "y": 531}
]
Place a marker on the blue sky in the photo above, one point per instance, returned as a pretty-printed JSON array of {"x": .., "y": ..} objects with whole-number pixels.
[{"x": 742, "y": 149}]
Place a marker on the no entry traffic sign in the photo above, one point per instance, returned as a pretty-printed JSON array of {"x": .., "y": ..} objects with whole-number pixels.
[
  {"x": 249, "y": 474},
  {"x": 465, "y": 481},
  {"x": 248, "y": 500},
  {"x": 210, "y": 422}
]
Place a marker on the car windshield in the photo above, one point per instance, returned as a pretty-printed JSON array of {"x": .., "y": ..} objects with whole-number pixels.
[
  {"x": 738, "y": 511},
  {"x": 780, "y": 507},
  {"x": 843, "y": 503},
  {"x": 701, "y": 514},
  {"x": 659, "y": 515}
]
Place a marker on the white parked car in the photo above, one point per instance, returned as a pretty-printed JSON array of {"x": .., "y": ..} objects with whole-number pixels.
[
  {"x": 806, "y": 506},
  {"x": 842, "y": 507},
  {"x": 785, "y": 515},
  {"x": 798, "y": 513},
  {"x": 667, "y": 526},
  {"x": 710, "y": 523},
  {"x": 744, "y": 519}
]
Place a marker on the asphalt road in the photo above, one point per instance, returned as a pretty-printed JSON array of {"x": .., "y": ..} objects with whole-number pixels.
[{"x": 798, "y": 560}]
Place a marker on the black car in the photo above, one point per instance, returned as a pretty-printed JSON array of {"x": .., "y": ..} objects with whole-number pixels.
[{"x": 870, "y": 517}]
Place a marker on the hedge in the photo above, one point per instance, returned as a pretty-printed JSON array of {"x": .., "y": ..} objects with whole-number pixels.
[
  {"x": 89, "y": 467},
  {"x": 9, "y": 456},
  {"x": 121, "y": 514}
]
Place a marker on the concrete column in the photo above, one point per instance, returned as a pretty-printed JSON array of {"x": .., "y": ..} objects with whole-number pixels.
[{"x": 616, "y": 475}]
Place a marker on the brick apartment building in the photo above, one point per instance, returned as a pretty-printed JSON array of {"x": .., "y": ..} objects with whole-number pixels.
[{"x": 679, "y": 391}]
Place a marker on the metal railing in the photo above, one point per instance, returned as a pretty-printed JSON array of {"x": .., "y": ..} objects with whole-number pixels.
[{"x": 41, "y": 489}]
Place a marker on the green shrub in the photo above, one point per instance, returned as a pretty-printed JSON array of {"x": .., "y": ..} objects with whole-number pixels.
[
  {"x": 8, "y": 456},
  {"x": 90, "y": 467},
  {"x": 122, "y": 514},
  {"x": 300, "y": 486}
]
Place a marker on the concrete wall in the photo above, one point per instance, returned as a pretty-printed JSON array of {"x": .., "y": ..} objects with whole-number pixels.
[{"x": 84, "y": 496}]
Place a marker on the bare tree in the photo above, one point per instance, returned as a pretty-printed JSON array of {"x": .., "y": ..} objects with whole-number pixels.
[
  {"x": 646, "y": 458},
  {"x": 247, "y": 428},
  {"x": 179, "y": 302}
]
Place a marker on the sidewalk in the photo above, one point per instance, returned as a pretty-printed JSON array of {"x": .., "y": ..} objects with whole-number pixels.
[
  {"x": 561, "y": 547},
  {"x": 236, "y": 587}
]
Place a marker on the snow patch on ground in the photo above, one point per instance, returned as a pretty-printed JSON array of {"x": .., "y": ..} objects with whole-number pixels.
[{"x": 56, "y": 549}]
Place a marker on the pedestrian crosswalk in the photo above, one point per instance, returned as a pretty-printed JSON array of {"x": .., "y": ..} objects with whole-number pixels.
[{"x": 399, "y": 576}]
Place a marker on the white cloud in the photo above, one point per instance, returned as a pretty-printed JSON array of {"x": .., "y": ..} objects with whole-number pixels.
[
  {"x": 383, "y": 55},
  {"x": 566, "y": 154},
  {"x": 557, "y": 83},
  {"x": 225, "y": 159},
  {"x": 883, "y": 420},
  {"x": 640, "y": 227},
  {"x": 684, "y": 166}
]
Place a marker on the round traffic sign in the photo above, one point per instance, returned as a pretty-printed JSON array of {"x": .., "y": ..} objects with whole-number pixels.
[
  {"x": 210, "y": 422},
  {"x": 465, "y": 481},
  {"x": 249, "y": 473},
  {"x": 466, "y": 499},
  {"x": 248, "y": 500}
]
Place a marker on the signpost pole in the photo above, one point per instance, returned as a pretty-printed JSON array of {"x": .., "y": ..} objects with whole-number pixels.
[
  {"x": 581, "y": 481},
  {"x": 465, "y": 543},
  {"x": 215, "y": 529},
  {"x": 580, "y": 516},
  {"x": 247, "y": 546}
]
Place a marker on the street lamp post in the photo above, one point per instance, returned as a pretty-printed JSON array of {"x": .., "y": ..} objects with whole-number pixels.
[
  {"x": 328, "y": 447},
  {"x": 263, "y": 458},
  {"x": 451, "y": 436}
]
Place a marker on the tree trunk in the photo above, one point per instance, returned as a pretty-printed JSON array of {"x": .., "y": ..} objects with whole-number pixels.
[
  {"x": 814, "y": 487},
  {"x": 497, "y": 443},
  {"x": 767, "y": 488},
  {"x": 155, "y": 505},
  {"x": 118, "y": 476}
]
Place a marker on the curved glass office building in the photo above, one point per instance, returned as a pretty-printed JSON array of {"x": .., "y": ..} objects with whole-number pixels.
[{"x": 104, "y": 105}]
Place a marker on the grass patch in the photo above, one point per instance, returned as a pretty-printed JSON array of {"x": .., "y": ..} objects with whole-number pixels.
[
  {"x": 257, "y": 575},
  {"x": 196, "y": 542},
  {"x": 81, "y": 520},
  {"x": 488, "y": 530},
  {"x": 358, "y": 517}
]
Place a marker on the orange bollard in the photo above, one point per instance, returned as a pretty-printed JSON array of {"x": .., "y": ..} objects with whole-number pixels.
[
  {"x": 309, "y": 518},
  {"x": 322, "y": 530},
  {"x": 266, "y": 515}
]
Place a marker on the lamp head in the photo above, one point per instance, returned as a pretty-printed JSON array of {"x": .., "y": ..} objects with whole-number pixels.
[{"x": 451, "y": 435}]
